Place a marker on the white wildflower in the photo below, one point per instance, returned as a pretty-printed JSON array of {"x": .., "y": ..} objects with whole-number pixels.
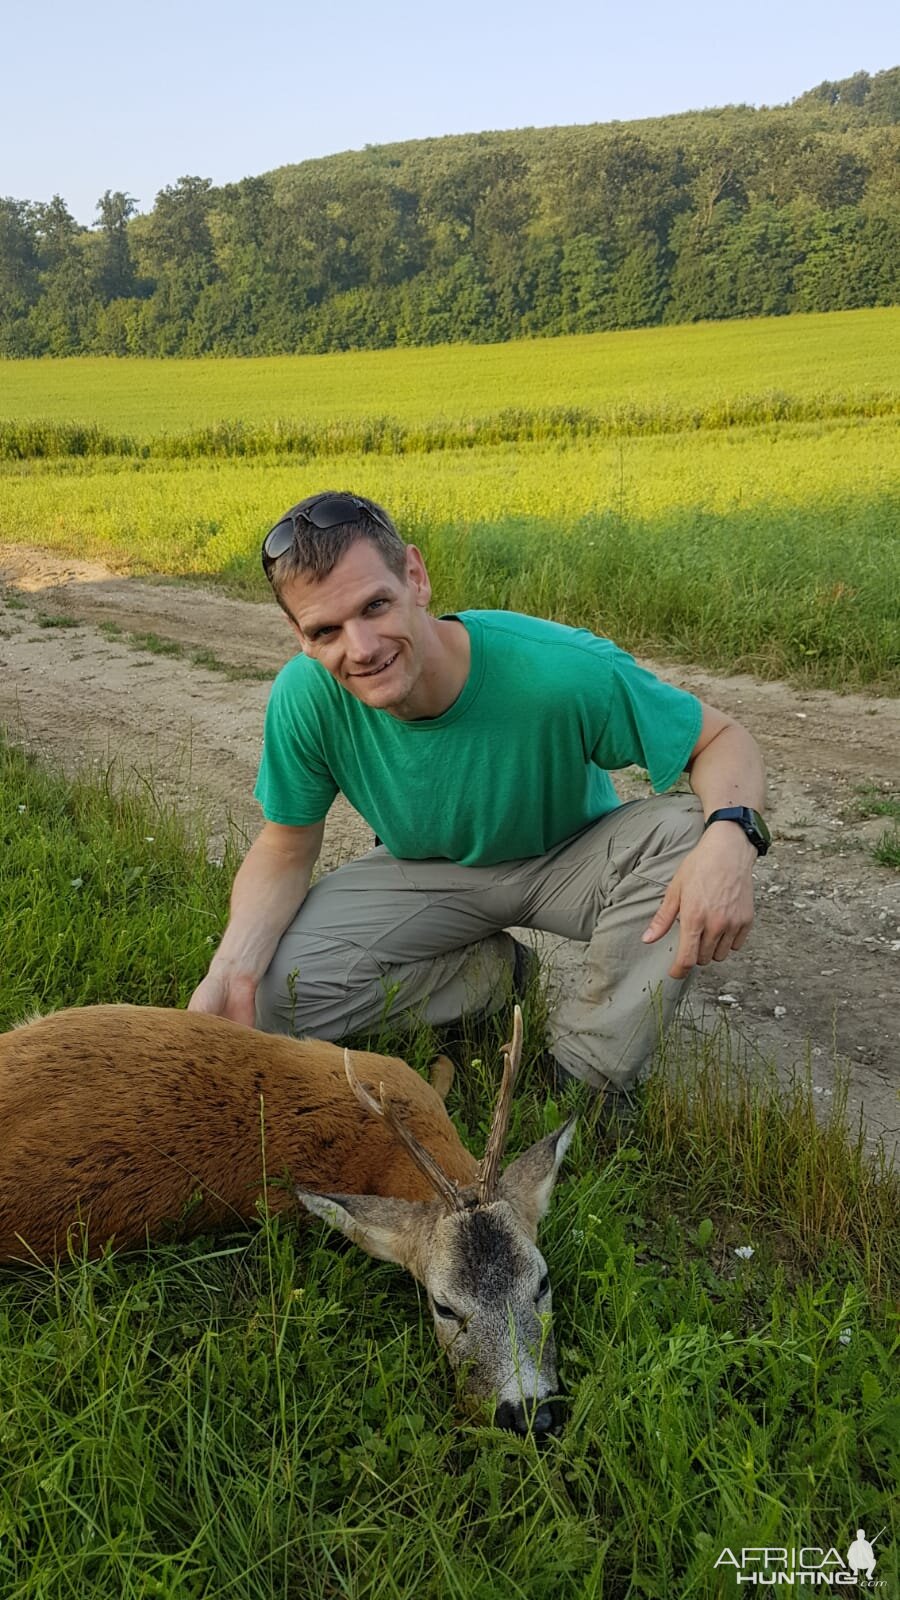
[
  {"x": 845, "y": 1335},
  {"x": 745, "y": 1251},
  {"x": 75, "y": 883}
]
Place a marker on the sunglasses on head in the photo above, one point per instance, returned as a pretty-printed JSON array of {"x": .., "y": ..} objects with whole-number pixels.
[{"x": 329, "y": 511}]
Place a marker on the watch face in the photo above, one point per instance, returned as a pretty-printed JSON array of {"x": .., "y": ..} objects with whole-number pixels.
[{"x": 759, "y": 824}]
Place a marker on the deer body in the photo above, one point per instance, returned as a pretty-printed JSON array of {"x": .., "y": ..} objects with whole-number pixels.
[
  {"x": 125, "y": 1115},
  {"x": 129, "y": 1119}
]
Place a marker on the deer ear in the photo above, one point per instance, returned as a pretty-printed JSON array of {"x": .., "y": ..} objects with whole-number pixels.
[
  {"x": 390, "y": 1230},
  {"x": 442, "y": 1072},
  {"x": 527, "y": 1183}
]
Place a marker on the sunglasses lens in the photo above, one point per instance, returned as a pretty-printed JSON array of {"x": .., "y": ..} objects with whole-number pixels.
[
  {"x": 280, "y": 539},
  {"x": 328, "y": 512},
  {"x": 332, "y": 511}
]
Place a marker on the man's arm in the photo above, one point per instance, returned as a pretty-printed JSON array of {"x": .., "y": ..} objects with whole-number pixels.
[
  {"x": 711, "y": 894},
  {"x": 270, "y": 886}
]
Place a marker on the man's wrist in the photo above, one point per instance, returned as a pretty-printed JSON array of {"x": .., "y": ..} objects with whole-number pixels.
[
  {"x": 744, "y": 818},
  {"x": 231, "y": 970}
]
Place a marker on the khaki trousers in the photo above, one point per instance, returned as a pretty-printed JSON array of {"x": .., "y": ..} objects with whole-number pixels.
[{"x": 380, "y": 936}]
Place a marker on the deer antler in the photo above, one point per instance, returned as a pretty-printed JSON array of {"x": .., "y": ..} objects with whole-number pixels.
[
  {"x": 446, "y": 1187},
  {"x": 489, "y": 1170}
]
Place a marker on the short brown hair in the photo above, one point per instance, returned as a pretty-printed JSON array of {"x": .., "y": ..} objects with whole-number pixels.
[{"x": 315, "y": 552}]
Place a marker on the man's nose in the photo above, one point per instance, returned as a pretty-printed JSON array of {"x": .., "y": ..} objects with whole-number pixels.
[{"x": 362, "y": 640}]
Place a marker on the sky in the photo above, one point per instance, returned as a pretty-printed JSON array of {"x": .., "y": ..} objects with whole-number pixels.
[{"x": 107, "y": 95}]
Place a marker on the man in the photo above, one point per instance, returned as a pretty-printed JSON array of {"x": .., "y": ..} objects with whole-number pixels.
[{"x": 478, "y": 748}]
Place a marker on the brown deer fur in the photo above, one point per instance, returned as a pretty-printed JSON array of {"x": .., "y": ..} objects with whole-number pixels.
[{"x": 124, "y": 1116}]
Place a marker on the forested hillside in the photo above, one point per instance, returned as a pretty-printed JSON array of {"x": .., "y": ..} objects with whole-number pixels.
[{"x": 726, "y": 213}]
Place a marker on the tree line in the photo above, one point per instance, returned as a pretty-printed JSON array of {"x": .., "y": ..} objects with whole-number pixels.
[{"x": 481, "y": 237}]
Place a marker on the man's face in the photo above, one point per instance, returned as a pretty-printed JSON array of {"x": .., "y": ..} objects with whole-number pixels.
[{"x": 365, "y": 625}]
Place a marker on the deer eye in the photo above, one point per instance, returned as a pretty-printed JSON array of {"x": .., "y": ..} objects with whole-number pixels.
[
  {"x": 447, "y": 1312},
  {"x": 543, "y": 1287}
]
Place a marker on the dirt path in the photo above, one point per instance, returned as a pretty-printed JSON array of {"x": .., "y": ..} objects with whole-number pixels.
[{"x": 820, "y": 974}]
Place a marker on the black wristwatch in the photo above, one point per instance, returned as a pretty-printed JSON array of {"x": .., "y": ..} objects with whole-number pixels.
[{"x": 751, "y": 822}]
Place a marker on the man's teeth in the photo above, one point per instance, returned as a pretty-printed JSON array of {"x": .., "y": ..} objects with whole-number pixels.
[{"x": 384, "y": 665}]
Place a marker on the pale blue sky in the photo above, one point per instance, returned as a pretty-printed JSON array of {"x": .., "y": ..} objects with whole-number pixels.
[{"x": 109, "y": 95}]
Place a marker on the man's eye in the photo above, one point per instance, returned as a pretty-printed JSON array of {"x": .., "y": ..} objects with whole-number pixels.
[
  {"x": 543, "y": 1287},
  {"x": 447, "y": 1312}
]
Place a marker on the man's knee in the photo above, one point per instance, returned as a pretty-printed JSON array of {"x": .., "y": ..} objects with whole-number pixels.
[
  {"x": 655, "y": 834},
  {"x": 310, "y": 987},
  {"x": 684, "y": 820},
  {"x": 278, "y": 1000}
]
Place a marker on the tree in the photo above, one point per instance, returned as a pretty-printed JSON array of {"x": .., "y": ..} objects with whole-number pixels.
[
  {"x": 640, "y": 286},
  {"x": 19, "y": 272},
  {"x": 115, "y": 268}
]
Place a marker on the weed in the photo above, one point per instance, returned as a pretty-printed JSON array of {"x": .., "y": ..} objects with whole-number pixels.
[
  {"x": 887, "y": 850},
  {"x": 156, "y": 645},
  {"x": 874, "y": 801}
]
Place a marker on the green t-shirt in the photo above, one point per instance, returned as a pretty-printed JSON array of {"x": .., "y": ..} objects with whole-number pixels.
[{"x": 516, "y": 765}]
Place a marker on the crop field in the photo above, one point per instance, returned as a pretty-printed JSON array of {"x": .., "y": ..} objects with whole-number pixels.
[
  {"x": 721, "y": 493},
  {"x": 842, "y": 353},
  {"x": 266, "y": 1413}
]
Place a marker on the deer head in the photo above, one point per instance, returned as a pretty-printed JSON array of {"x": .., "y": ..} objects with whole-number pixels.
[{"x": 475, "y": 1251}]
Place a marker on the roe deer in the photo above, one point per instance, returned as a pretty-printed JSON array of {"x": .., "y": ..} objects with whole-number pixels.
[{"x": 124, "y": 1120}]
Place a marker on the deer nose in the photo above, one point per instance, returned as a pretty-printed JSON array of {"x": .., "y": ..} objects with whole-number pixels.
[{"x": 542, "y": 1421}]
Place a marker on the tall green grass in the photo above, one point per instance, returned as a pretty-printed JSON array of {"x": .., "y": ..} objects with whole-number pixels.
[
  {"x": 48, "y": 439},
  {"x": 809, "y": 591},
  {"x": 266, "y": 1413},
  {"x": 103, "y": 897},
  {"x": 723, "y": 494}
]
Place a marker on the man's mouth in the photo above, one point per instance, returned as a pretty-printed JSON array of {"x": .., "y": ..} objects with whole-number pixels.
[{"x": 376, "y": 670}]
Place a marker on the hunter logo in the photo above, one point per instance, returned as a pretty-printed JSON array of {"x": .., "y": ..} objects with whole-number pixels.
[{"x": 805, "y": 1566}]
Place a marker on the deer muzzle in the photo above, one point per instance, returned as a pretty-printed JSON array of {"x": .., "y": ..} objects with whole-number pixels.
[{"x": 543, "y": 1420}]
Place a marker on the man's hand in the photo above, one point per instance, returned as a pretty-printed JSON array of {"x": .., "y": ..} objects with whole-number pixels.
[
  {"x": 224, "y": 996},
  {"x": 268, "y": 891},
  {"x": 711, "y": 894}
]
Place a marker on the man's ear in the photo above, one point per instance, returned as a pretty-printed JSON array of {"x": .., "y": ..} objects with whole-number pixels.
[
  {"x": 417, "y": 575},
  {"x": 390, "y": 1230},
  {"x": 527, "y": 1183}
]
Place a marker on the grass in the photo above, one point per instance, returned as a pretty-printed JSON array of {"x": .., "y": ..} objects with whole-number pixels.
[
  {"x": 872, "y": 801},
  {"x": 805, "y": 585},
  {"x": 45, "y": 620},
  {"x": 842, "y": 353},
  {"x": 722, "y": 494},
  {"x": 887, "y": 850},
  {"x": 43, "y": 439},
  {"x": 266, "y": 1413},
  {"x": 201, "y": 656},
  {"x": 102, "y": 896}
]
